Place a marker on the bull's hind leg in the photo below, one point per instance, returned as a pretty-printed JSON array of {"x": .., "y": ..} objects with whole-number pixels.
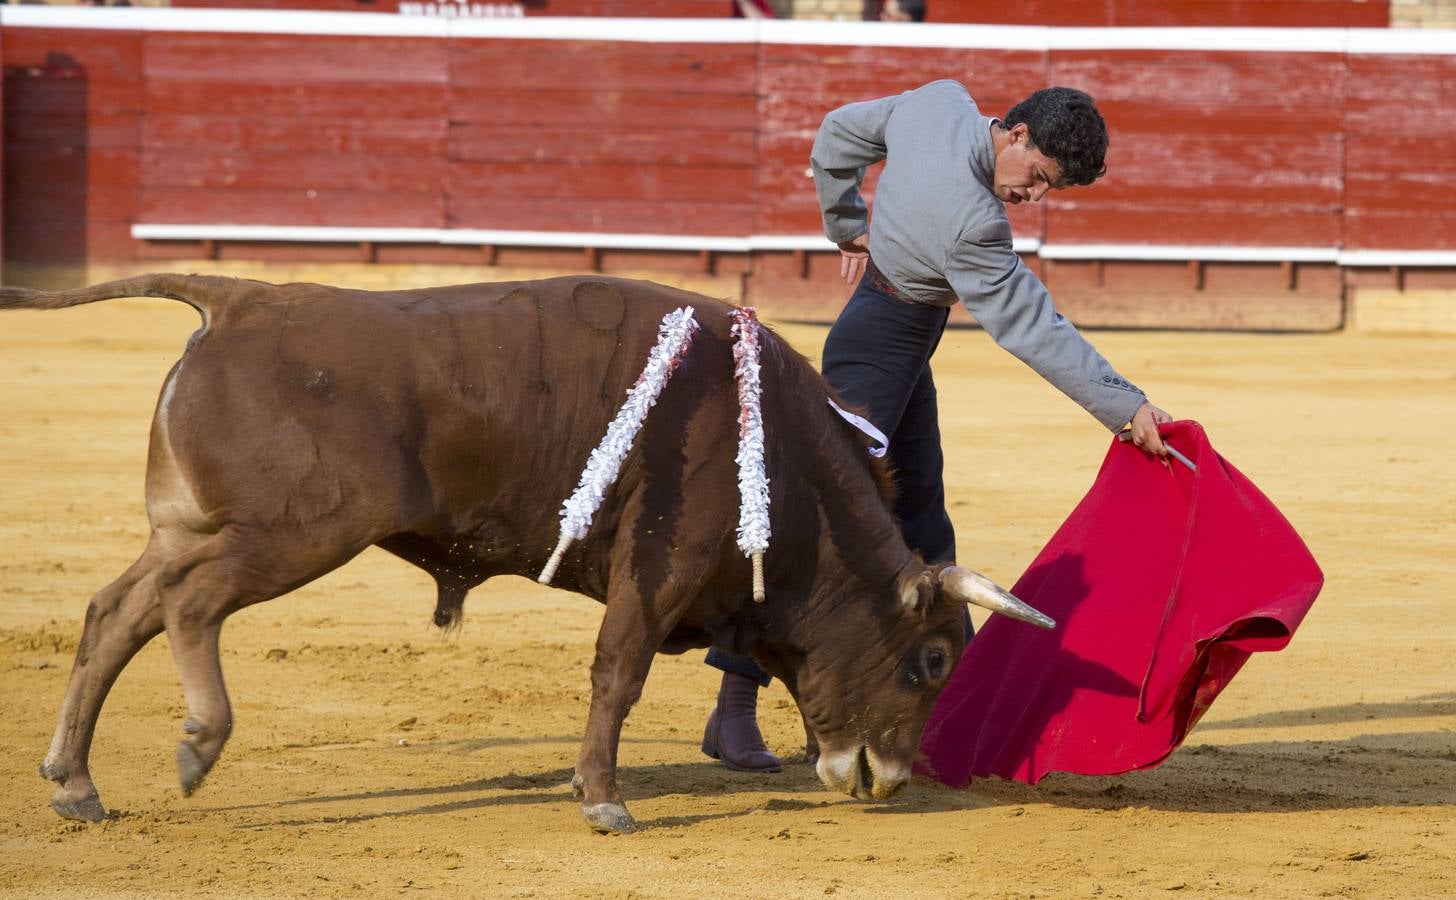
[
  {"x": 193, "y": 611},
  {"x": 120, "y": 619},
  {"x": 187, "y": 584},
  {"x": 237, "y": 568}
]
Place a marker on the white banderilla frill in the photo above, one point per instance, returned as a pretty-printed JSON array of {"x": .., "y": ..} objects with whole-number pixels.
[
  {"x": 753, "y": 522},
  {"x": 673, "y": 337}
]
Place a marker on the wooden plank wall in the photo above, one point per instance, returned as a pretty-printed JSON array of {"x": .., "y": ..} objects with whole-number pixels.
[
  {"x": 1153, "y": 13},
  {"x": 595, "y": 136},
  {"x": 693, "y": 138},
  {"x": 676, "y": 9},
  {"x": 73, "y": 113},
  {"x": 1266, "y": 13},
  {"x": 1203, "y": 152},
  {"x": 103, "y": 129},
  {"x": 295, "y": 129},
  {"x": 2, "y": 156},
  {"x": 1399, "y": 125}
]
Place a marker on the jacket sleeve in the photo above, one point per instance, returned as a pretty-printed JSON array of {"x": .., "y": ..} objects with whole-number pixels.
[
  {"x": 1015, "y": 309},
  {"x": 851, "y": 138}
]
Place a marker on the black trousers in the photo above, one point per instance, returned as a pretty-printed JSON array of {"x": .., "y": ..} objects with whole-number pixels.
[{"x": 877, "y": 358}]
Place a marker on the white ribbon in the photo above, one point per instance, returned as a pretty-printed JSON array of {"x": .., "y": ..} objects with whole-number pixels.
[{"x": 866, "y": 427}]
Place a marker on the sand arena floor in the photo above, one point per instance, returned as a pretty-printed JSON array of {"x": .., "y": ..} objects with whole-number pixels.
[{"x": 373, "y": 756}]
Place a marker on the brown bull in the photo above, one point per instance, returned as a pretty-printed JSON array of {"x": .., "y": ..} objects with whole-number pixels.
[{"x": 305, "y": 423}]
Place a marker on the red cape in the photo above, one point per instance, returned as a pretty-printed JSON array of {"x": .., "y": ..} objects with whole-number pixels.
[{"x": 1163, "y": 581}]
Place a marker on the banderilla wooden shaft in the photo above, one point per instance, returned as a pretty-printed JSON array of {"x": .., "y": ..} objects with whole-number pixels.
[{"x": 550, "y": 571}]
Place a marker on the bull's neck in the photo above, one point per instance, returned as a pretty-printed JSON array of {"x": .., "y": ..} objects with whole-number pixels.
[{"x": 861, "y": 546}]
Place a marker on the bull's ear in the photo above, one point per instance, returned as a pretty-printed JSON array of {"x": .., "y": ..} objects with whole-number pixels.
[{"x": 917, "y": 592}]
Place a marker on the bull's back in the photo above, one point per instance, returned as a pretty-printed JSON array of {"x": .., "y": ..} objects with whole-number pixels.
[{"x": 428, "y": 409}]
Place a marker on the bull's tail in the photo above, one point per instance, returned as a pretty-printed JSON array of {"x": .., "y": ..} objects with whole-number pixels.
[{"x": 198, "y": 291}]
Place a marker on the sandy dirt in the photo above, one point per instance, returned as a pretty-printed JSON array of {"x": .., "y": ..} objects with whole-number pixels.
[{"x": 374, "y": 756}]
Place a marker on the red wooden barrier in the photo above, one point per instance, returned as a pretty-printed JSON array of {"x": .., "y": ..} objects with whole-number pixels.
[
  {"x": 1399, "y": 125},
  {"x": 691, "y": 9},
  {"x": 1265, "y": 13},
  {"x": 593, "y": 136},
  {"x": 1245, "y": 148},
  {"x": 242, "y": 108},
  {"x": 72, "y": 119},
  {"x": 1203, "y": 152},
  {"x": 1262, "y": 13}
]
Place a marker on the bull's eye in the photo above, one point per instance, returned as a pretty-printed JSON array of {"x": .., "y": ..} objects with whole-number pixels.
[{"x": 935, "y": 663}]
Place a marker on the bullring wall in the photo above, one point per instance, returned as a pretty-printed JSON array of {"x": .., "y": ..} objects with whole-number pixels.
[{"x": 1257, "y": 177}]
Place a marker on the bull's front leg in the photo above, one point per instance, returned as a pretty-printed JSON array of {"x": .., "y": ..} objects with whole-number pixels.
[{"x": 626, "y": 645}]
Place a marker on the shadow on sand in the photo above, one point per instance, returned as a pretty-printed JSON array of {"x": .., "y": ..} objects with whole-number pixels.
[
  {"x": 1375, "y": 770},
  {"x": 1443, "y": 704},
  {"x": 553, "y": 786}
]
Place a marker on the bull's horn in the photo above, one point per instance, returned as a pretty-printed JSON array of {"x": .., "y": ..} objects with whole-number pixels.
[{"x": 973, "y": 587}]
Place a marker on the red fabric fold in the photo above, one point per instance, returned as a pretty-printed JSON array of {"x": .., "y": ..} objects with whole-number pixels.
[{"x": 1163, "y": 581}]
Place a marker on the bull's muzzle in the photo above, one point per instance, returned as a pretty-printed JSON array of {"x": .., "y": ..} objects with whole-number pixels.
[{"x": 862, "y": 773}]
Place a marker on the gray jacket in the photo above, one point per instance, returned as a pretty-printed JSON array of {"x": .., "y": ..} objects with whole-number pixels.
[{"x": 940, "y": 233}]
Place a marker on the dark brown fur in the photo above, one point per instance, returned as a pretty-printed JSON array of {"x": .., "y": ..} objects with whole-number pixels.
[{"x": 305, "y": 423}]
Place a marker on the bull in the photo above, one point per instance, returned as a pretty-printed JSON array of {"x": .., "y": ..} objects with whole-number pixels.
[{"x": 304, "y": 423}]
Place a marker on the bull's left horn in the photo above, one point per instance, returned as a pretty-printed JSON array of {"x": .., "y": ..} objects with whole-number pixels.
[{"x": 973, "y": 587}]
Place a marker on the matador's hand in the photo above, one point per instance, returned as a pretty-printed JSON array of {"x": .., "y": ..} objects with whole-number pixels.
[
  {"x": 1145, "y": 429},
  {"x": 853, "y": 254}
]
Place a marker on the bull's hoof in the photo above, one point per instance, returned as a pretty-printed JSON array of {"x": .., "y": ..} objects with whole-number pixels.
[
  {"x": 191, "y": 768},
  {"x": 608, "y": 818},
  {"x": 52, "y": 772},
  {"x": 82, "y": 809}
]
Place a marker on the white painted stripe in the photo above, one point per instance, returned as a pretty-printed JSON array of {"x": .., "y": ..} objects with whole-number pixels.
[
  {"x": 657, "y": 31},
  {"x": 790, "y": 242},
  {"x": 1207, "y": 253},
  {"x": 301, "y": 233},
  {"x": 227, "y": 21},
  {"x": 592, "y": 239},
  {"x": 739, "y": 31},
  {"x": 502, "y": 238},
  {"x": 820, "y": 242},
  {"x": 898, "y": 34},
  {"x": 1398, "y": 258},
  {"x": 1433, "y": 42}
]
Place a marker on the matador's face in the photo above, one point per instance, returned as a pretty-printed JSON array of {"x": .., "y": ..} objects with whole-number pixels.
[{"x": 1024, "y": 173}]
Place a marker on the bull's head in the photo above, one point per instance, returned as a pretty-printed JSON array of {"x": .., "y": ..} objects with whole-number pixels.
[{"x": 866, "y": 694}]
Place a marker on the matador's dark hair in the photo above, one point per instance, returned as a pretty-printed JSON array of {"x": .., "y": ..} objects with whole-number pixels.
[{"x": 1066, "y": 126}]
